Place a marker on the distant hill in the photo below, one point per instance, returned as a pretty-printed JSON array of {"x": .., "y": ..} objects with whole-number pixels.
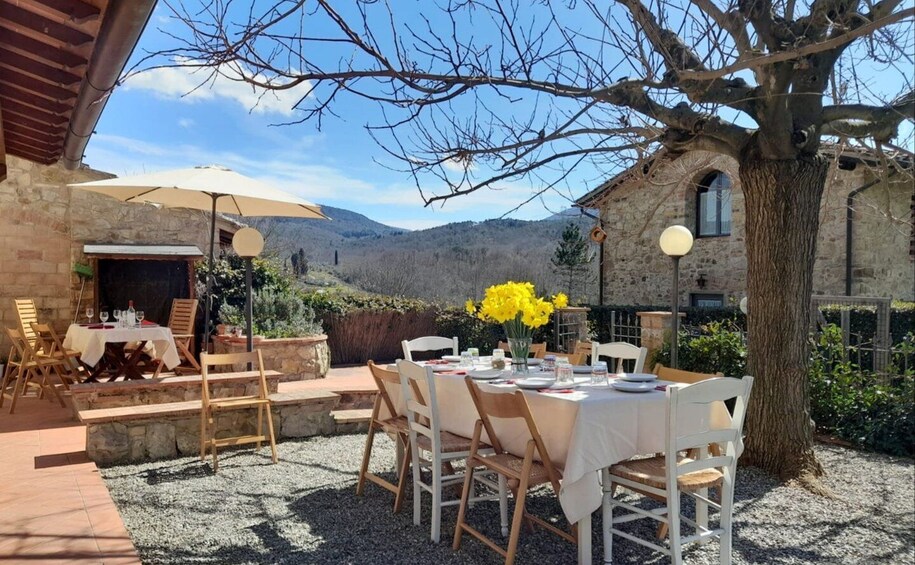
[
  {"x": 447, "y": 263},
  {"x": 569, "y": 213}
]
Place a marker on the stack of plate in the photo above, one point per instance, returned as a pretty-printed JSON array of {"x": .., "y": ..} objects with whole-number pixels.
[{"x": 634, "y": 382}]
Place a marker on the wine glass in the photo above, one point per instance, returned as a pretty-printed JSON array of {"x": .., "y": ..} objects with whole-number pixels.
[
  {"x": 117, "y": 317},
  {"x": 90, "y": 312},
  {"x": 140, "y": 316},
  {"x": 103, "y": 316}
]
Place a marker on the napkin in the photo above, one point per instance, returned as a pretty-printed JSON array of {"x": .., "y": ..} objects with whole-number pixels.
[
  {"x": 148, "y": 323},
  {"x": 453, "y": 373},
  {"x": 556, "y": 391},
  {"x": 99, "y": 327},
  {"x": 437, "y": 362},
  {"x": 661, "y": 387}
]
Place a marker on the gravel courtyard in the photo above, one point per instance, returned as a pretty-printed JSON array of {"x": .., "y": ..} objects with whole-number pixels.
[{"x": 304, "y": 510}]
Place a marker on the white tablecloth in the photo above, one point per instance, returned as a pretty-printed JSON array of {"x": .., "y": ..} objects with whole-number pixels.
[
  {"x": 583, "y": 431},
  {"x": 91, "y": 343}
]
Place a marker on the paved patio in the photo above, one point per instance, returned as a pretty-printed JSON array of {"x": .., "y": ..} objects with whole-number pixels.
[{"x": 55, "y": 505}]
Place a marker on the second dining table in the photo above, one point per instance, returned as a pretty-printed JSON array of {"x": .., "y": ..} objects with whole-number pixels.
[
  {"x": 103, "y": 348},
  {"x": 584, "y": 430}
]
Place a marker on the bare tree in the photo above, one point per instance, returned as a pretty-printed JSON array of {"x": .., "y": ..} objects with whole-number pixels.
[{"x": 475, "y": 93}]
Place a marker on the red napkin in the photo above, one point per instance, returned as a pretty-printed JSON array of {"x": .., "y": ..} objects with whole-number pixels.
[
  {"x": 100, "y": 327},
  {"x": 661, "y": 387},
  {"x": 556, "y": 391},
  {"x": 453, "y": 373},
  {"x": 148, "y": 323},
  {"x": 438, "y": 362}
]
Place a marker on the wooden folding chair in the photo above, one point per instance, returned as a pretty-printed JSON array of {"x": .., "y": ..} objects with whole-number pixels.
[
  {"x": 25, "y": 365},
  {"x": 27, "y": 314},
  {"x": 522, "y": 473},
  {"x": 537, "y": 350},
  {"x": 395, "y": 426},
  {"x": 181, "y": 321},
  {"x": 574, "y": 358},
  {"x": 681, "y": 376},
  {"x": 50, "y": 345},
  {"x": 211, "y": 407}
]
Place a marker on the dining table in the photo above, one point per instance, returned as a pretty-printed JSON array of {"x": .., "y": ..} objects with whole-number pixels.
[
  {"x": 585, "y": 428},
  {"x": 115, "y": 351}
]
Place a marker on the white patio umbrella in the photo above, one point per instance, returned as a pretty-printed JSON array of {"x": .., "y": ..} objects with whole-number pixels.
[{"x": 213, "y": 188}]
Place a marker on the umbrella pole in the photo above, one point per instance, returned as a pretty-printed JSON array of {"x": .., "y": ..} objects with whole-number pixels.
[{"x": 209, "y": 298}]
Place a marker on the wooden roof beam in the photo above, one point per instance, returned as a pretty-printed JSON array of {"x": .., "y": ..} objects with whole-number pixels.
[
  {"x": 37, "y": 68},
  {"x": 78, "y": 12},
  {"x": 36, "y": 86},
  {"x": 11, "y": 92},
  {"x": 36, "y": 48},
  {"x": 20, "y": 16},
  {"x": 23, "y": 135},
  {"x": 32, "y": 112},
  {"x": 29, "y": 152},
  {"x": 50, "y": 130}
]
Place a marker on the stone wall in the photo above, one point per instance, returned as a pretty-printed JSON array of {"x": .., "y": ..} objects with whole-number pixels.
[
  {"x": 44, "y": 225},
  {"x": 635, "y": 213},
  {"x": 297, "y": 358}
]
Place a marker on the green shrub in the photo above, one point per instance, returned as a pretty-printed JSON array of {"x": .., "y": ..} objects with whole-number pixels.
[
  {"x": 873, "y": 411},
  {"x": 229, "y": 282},
  {"x": 719, "y": 348},
  {"x": 276, "y": 314},
  {"x": 599, "y": 317},
  {"x": 863, "y": 319}
]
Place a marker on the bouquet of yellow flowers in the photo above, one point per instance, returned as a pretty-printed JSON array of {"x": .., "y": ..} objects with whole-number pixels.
[{"x": 516, "y": 306}]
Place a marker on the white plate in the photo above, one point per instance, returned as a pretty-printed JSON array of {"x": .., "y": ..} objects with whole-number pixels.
[
  {"x": 581, "y": 369},
  {"x": 453, "y": 358},
  {"x": 444, "y": 368},
  {"x": 485, "y": 374},
  {"x": 535, "y": 383},
  {"x": 638, "y": 377},
  {"x": 628, "y": 386}
]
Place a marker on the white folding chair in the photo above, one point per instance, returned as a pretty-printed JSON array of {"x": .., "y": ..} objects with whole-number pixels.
[
  {"x": 620, "y": 350},
  {"x": 429, "y": 343},
  {"x": 666, "y": 476},
  {"x": 432, "y": 448}
]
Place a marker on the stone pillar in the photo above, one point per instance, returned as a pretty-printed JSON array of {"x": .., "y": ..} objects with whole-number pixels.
[{"x": 655, "y": 329}]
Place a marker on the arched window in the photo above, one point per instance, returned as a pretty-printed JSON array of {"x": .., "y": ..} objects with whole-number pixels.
[{"x": 713, "y": 205}]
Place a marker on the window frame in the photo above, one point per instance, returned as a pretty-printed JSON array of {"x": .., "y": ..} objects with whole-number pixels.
[
  {"x": 694, "y": 298},
  {"x": 711, "y": 184}
]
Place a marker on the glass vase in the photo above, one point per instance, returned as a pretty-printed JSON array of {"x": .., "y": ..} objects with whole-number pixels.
[{"x": 520, "y": 348}]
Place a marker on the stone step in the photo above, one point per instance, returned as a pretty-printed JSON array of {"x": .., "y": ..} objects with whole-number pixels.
[{"x": 352, "y": 420}]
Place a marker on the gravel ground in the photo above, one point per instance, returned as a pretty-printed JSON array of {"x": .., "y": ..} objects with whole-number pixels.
[{"x": 304, "y": 510}]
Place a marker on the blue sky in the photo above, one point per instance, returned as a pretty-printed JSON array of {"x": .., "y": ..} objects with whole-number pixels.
[
  {"x": 151, "y": 123},
  {"x": 157, "y": 121}
]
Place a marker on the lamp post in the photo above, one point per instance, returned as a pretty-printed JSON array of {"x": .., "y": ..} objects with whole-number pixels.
[
  {"x": 248, "y": 243},
  {"x": 675, "y": 241}
]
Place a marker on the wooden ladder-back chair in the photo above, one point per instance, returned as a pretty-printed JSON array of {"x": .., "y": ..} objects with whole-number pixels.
[
  {"x": 392, "y": 424},
  {"x": 574, "y": 358},
  {"x": 521, "y": 473},
  {"x": 537, "y": 350},
  {"x": 442, "y": 447},
  {"x": 665, "y": 477},
  {"x": 620, "y": 350},
  {"x": 50, "y": 345},
  {"x": 681, "y": 376},
  {"x": 429, "y": 343},
  {"x": 181, "y": 321},
  {"x": 24, "y": 366},
  {"x": 211, "y": 407}
]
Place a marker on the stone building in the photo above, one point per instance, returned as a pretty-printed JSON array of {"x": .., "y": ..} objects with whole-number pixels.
[
  {"x": 45, "y": 227},
  {"x": 701, "y": 191}
]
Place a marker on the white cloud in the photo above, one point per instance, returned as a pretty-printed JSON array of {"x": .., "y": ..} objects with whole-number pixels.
[
  {"x": 186, "y": 123},
  {"x": 192, "y": 85}
]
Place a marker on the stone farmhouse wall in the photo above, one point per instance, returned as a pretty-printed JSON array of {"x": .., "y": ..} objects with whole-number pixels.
[
  {"x": 635, "y": 213},
  {"x": 44, "y": 225}
]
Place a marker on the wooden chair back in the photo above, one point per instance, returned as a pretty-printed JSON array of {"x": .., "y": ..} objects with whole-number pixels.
[
  {"x": 183, "y": 316},
  {"x": 429, "y": 343},
  {"x": 27, "y": 313},
  {"x": 208, "y": 360},
  {"x": 620, "y": 350},
  {"x": 705, "y": 393},
  {"x": 510, "y": 406},
  {"x": 422, "y": 413},
  {"x": 47, "y": 340},
  {"x": 574, "y": 358},
  {"x": 681, "y": 376},
  {"x": 386, "y": 380},
  {"x": 537, "y": 350}
]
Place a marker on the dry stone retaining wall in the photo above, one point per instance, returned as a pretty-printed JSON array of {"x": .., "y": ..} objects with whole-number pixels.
[{"x": 298, "y": 358}]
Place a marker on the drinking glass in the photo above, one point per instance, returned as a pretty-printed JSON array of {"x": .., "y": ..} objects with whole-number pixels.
[
  {"x": 498, "y": 354},
  {"x": 466, "y": 359},
  {"x": 564, "y": 373},
  {"x": 103, "y": 316},
  {"x": 474, "y": 353},
  {"x": 599, "y": 373},
  {"x": 89, "y": 313},
  {"x": 140, "y": 316},
  {"x": 117, "y": 317},
  {"x": 549, "y": 363}
]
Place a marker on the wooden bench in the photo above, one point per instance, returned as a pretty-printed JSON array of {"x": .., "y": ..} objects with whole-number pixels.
[
  {"x": 167, "y": 429},
  {"x": 165, "y": 390}
]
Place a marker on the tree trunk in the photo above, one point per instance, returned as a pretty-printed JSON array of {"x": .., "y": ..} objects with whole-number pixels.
[{"x": 782, "y": 219}]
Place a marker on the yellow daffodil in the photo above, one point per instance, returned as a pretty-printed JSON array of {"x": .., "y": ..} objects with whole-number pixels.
[
  {"x": 560, "y": 300},
  {"x": 470, "y": 307}
]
